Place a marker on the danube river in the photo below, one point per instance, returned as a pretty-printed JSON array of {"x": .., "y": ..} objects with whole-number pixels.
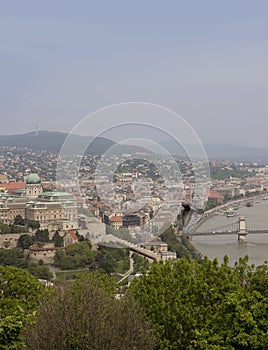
[{"x": 218, "y": 246}]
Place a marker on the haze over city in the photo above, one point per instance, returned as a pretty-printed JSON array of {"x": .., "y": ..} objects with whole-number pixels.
[{"x": 206, "y": 60}]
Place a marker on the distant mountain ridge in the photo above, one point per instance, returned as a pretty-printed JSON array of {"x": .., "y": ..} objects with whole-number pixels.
[{"x": 52, "y": 141}]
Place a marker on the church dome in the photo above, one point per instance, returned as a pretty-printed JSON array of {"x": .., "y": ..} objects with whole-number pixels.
[{"x": 33, "y": 179}]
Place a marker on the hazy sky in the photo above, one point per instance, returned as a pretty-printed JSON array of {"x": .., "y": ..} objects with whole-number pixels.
[{"x": 206, "y": 60}]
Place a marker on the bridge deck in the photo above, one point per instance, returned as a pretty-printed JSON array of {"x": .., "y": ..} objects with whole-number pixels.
[{"x": 217, "y": 233}]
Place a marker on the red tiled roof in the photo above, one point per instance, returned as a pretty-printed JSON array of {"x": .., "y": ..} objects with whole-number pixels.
[
  {"x": 12, "y": 186},
  {"x": 73, "y": 235},
  {"x": 215, "y": 194},
  {"x": 116, "y": 219}
]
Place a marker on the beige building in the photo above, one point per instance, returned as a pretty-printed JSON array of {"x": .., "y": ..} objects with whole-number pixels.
[
  {"x": 9, "y": 240},
  {"x": 46, "y": 253},
  {"x": 49, "y": 208},
  {"x": 155, "y": 245},
  {"x": 11, "y": 207}
]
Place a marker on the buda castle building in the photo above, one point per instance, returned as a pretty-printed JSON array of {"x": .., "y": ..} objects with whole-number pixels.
[{"x": 53, "y": 210}]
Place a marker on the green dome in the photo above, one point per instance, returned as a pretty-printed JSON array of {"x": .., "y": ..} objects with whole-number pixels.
[{"x": 33, "y": 179}]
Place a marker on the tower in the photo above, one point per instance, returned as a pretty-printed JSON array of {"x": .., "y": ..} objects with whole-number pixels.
[
  {"x": 242, "y": 233},
  {"x": 33, "y": 186}
]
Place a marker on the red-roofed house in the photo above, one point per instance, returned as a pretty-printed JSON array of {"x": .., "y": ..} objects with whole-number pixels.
[
  {"x": 215, "y": 195},
  {"x": 12, "y": 186},
  {"x": 69, "y": 238},
  {"x": 116, "y": 221}
]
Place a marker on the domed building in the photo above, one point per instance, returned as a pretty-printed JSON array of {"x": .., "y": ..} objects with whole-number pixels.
[
  {"x": 53, "y": 210},
  {"x": 33, "y": 178},
  {"x": 33, "y": 186}
]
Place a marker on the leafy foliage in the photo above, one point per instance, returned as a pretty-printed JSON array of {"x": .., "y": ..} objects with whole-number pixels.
[
  {"x": 206, "y": 306},
  {"x": 33, "y": 224},
  {"x": 76, "y": 255},
  {"x": 180, "y": 245},
  {"x": 141, "y": 264},
  {"x": 112, "y": 259},
  {"x": 57, "y": 239},
  {"x": 25, "y": 241},
  {"x": 42, "y": 235},
  {"x": 15, "y": 257},
  {"x": 80, "y": 255},
  {"x": 87, "y": 316},
  {"x": 20, "y": 293},
  {"x": 19, "y": 220},
  {"x": 5, "y": 229}
]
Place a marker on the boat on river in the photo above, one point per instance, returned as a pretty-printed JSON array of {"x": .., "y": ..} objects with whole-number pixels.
[{"x": 231, "y": 214}]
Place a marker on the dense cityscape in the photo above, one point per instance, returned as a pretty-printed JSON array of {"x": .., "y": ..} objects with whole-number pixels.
[
  {"x": 58, "y": 230},
  {"x": 134, "y": 207}
]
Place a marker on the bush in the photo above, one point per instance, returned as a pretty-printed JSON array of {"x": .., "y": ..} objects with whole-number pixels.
[{"x": 86, "y": 315}]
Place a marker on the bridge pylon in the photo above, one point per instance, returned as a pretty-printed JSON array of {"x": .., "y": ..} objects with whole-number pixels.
[{"x": 242, "y": 233}]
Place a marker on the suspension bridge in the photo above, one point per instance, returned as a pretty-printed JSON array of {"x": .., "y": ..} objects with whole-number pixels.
[{"x": 241, "y": 228}]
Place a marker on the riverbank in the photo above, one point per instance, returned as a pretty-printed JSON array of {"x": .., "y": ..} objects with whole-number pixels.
[
  {"x": 218, "y": 246},
  {"x": 214, "y": 211}
]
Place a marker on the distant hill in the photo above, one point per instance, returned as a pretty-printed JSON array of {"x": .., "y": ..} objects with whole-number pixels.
[{"x": 52, "y": 141}]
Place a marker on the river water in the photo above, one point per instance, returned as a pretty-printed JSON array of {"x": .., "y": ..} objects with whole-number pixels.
[{"x": 218, "y": 246}]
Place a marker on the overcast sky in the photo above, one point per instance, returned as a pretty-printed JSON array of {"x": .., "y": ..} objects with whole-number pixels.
[{"x": 206, "y": 60}]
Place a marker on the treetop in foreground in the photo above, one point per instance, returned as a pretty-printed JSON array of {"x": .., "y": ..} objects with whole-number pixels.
[
  {"x": 19, "y": 298},
  {"x": 86, "y": 315},
  {"x": 206, "y": 306}
]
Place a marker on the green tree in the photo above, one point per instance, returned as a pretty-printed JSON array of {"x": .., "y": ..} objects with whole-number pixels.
[
  {"x": 13, "y": 257},
  {"x": 57, "y": 239},
  {"x": 4, "y": 228},
  {"x": 42, "y": 235},
  {"x": 87, "y": 316},
  {"x": 205, "y": 306},
  {"x": 19, "y": 220},
  {"x": 20, "y": 295},
  {"x": 33, "y": 224},
  {"x": 25, "y": 241},
  {"x": 76, "y": 255},
  {"x": 180, "y": 245},
  {"x": 141, "y": 264},
  {"x": 40, "y": 271},
  {"x": 112, "y": 259},
  {"x": 16, "y": 229}
]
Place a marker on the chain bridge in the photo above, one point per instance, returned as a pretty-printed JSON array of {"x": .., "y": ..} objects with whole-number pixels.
[{"x": 241, "y": 228}]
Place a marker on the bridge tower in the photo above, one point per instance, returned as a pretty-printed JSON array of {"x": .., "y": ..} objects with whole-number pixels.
[{"x": 242, "y": 233}]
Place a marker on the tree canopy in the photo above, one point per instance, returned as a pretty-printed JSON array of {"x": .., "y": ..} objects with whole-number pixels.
[
  {"x": 206, "y": 306},
  {"x": 19, "y": 297},
  {"x": 86, "y": 315},
  {"x": 15, "y": 257}
]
